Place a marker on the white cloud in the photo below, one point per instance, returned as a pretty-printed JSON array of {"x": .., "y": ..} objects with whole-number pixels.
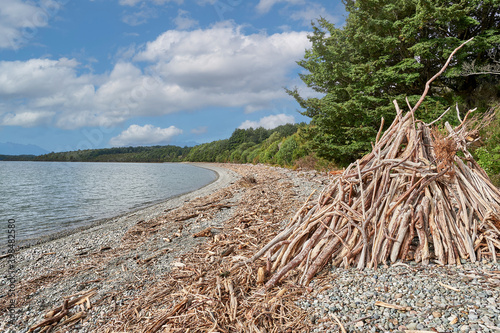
[
  {"x": 27, "y": 119},
  {"x": 183, "y": 71},
  {"x": 137, "y": 135},
  {"x": 312, "y": 12},
  {"x": 303, "y": 11},
  {"x": 205, "y": 2},
  {"x": 133, "y": 3},
  {"x": 140, "y": 17},
  {"x": 183, "y": 20},
  {"x": 142, "y": 10},
  {"x": 129, "y": 2},
  {"x": 20, "y": 20},
  {"x": 36, "y": 77},
  {"x": 223, "y": 60},
  {"x": 269, "y": 122}
]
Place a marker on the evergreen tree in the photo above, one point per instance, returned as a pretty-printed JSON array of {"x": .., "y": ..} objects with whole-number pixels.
[{"x": 387, "y": 50}]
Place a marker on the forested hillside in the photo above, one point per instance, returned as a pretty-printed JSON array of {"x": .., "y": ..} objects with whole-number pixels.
[
  {"x": 17, "y": 157},
  {"x": 124, "y": 154},
  {"x": 283, "y": 145}
]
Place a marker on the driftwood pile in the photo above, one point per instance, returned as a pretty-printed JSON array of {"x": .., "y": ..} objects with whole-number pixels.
[{"x": 419, "y": 195}]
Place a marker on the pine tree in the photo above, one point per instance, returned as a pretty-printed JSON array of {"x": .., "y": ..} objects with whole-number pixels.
[{"x": 387, "y": 50}]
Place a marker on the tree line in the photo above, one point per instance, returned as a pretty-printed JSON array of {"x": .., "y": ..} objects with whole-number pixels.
[{"x": 283, "y": 145}]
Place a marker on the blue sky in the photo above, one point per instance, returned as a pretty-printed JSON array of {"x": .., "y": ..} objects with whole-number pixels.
[{"x": 81, "y": 74}]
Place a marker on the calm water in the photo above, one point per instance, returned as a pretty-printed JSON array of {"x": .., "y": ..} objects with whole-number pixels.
[{"x": 47, "y": 197}]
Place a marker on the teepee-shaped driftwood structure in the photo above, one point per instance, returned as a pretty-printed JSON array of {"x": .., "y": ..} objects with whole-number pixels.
[{"x": 412, "y": 197}]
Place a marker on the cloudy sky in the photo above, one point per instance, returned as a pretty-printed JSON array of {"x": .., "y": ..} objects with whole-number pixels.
[{"x": 80, "y": 74}]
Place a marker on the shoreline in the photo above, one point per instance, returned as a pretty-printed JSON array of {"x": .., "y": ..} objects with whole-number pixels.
[
  {"x": 156, "y": 206},
  {"x": 135, "y": 253},
  {"x": 140, "y": 269}
]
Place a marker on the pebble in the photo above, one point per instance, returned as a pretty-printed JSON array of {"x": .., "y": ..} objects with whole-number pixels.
[
  {"x": 432, "y": 307},
  {"x": 411, "y": 326}
]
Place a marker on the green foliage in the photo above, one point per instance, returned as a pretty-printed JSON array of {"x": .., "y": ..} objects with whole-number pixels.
[
  {"x": 216, "y": 151},
  {"x": 488, "y": 154},
  {"x": 488, "y": 160},
  {"x": 17, "y": 157},
  {"x": 244, "y": 146},
  {"x": 390, "y": 53},
  {"x": 282, "y": 145},
  {"x": 286, "y": 151},
  {"x": 251, "y": 145}
]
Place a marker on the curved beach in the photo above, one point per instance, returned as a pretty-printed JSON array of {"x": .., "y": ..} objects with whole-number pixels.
[
  {"x": 114, "y": 254},
  {"x": 224, "y": 178},
  {"x": 170, "y": 268}
]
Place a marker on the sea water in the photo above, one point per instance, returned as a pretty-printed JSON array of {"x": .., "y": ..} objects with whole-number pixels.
[{"x": 42, "y": 198}]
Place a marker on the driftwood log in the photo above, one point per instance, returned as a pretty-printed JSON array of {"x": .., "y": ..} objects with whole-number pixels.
[
  {"x": 60, "y": 316},
  {"x": 418, "y": 195}
]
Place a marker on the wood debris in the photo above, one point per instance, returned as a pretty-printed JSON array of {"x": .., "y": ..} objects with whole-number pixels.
[
  {"x": 399, "y": 201},
  {"x": 392, "y": 306},
  {"x": 204, "y": 233},
  {"x": 418, "y": 195},
  {"x": 448, "y": 287},
  {"x": 204, "y": 292},
  {"x": 54, "y": 317}
]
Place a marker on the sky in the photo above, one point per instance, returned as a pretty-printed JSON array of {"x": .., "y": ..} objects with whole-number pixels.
[{"x": 86, "y": 74}]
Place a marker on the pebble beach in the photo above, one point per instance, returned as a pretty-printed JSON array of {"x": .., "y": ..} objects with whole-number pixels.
[
  {"x": 119, "y": 259},
  {"x": 432, "y": 299}
]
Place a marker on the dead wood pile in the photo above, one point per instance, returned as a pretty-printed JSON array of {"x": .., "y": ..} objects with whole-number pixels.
[{"x": 418, "y": 195}]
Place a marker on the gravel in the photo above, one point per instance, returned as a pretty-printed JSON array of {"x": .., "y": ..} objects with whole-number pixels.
[
  {"x": 438, "y": 298},
  {"x": 68, "y": 262}
]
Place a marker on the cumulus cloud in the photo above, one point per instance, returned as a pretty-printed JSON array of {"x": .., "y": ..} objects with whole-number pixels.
[
  {"x": 179, "y": 71},
  {"x": 137, "y": 135},
  {"x": 269, "y": 122},
  {"x": 223, "y": 60},
  {"x": 36, "y": 77},
  {"x": 20, "y": 20},
  {"x": 31, "y": 90},
  {"x": 27, "y": 119}
]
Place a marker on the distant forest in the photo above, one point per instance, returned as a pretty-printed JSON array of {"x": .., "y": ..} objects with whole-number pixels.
[
  {"x": 283, "y": 145},
  {"x": 17, "y": 157}
]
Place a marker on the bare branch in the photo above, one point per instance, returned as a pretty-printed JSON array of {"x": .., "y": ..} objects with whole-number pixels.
[
  {"x": 428, "y": 84},
  {"x": 458, "y": 113},
  {"x": 469, "y": 69}
]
